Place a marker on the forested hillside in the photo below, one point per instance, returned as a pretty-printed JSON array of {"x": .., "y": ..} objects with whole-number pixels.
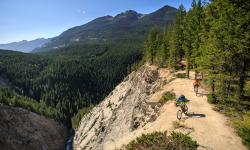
[
  {"x": 211, "y": 38},
  {"x": 69, "y": 79},
  {"x": 61, "y": 81},
  {"x": 94, "y": 58}
]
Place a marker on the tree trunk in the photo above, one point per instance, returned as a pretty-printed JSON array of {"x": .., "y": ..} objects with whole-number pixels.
[
  {"x": 213, "y": 83},
  {"x": 242, "y": 80},
  {"x": 188, "y": 69},
  {"x": 213, "y": 86}
]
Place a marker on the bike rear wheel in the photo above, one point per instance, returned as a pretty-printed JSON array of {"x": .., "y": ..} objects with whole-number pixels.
[
  {"x": 179, "y": 114},
  {"x": 196, "y": 90},
  {"x": 185, "y": 108}
]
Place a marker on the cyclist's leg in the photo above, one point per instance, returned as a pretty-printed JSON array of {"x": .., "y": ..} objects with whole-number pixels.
[{"x": 196, "y": 90}]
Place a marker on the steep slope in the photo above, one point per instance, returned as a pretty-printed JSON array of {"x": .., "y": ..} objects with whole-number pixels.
[
  {"x": 123, "y": 111},
  {"x": 25, "y": 46},
  {"x": 133, "y": 109},
  {"x": 24, "y": 130},
  {"x": 126, "y": 25}
]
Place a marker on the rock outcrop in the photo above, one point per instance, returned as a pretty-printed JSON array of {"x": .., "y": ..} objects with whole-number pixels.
[
  {"x": 124, "y": 110},
  {"x": 24, "y": 130}
]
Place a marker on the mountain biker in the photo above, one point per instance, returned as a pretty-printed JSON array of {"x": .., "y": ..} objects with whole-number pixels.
[
  {"x": 181, "y": 102},
  {"x": 196, "y": 85},
  {"x": 181, "y": 99}
]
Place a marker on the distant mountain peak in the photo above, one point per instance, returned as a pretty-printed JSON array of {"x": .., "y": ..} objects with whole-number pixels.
[
  {"x": 164, "y": 12},
  {"x": 166, "y": 8},
  {"x": 128, "y": 14},
  {"x": 108, "y": 17}
]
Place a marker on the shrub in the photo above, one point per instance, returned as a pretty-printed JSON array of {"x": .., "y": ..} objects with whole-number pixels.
[
  {"x": 212, "y": 98},
  {"x": 160, "y": 141},
  {"x": 176, "y": 125},
  {"x": 181, "y": 75},
  {"x": 168, "y": 81},
  {"x": 167, "y": 96},
  {"x": 10, "y": 98},
  {"x": 243, "y": 128},
  {"x": 182, "y": 141},
  {"x": 77, "y": 117}
]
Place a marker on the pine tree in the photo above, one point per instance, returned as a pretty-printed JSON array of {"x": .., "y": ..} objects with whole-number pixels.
[
  {"x": 151, "y": 45},
  {"x": 165, "y": 47},
  {"x": 192, "y": 34},
  {"x": 177, "y": 38},
  {"x": 225, "y": 39},
  {"x": 159, "y": 49}
]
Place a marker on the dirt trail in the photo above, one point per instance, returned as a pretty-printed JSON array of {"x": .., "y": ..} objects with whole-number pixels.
[{"x": 208, "y": 127}]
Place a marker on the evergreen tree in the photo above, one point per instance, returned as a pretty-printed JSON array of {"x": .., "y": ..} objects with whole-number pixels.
[
  {"x": 165, "y": 47},
  {"x": 225, "y": 39},
  {"x": 151, "y": 45},
  {"x": 192, "y": 33},
  {"x": 159, "y": 49},
  {"x": 177, "y": 38}
]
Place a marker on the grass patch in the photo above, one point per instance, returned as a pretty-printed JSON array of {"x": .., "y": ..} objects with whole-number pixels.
[
  {"x": 247, "y": 88},
  {"x": 161, "y": 141},
  {"x": 181, "y": 75},
  {"x": 110, "y": 105},
  {"x": 77, "y": 117},
  {"x": 177, "y": 125},
  {"x": 169, "y": 95},
  {"x": 240, "y": 120},
  {"x": 212, "y": 99},
  {"x": 242, "y": 126},
  {"x": 168, "y": 81}
]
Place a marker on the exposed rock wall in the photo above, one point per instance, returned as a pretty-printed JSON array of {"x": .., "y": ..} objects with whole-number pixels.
[
  {"x": 24, "y": 130},
  {"x": 125, "y": 109}
]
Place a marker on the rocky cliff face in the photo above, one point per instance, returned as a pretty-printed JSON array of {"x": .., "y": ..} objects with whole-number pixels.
[
  {"x": 23, "y": 130},
  {"x": 124, "y": 110}
]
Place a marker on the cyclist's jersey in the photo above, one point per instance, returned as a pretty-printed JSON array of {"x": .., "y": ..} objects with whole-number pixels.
[
  {"x": 182, "y": 103},
  {"x": 196, "y": 83}
]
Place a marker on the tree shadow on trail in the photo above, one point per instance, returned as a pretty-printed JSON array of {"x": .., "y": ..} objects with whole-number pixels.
[{"x": 201, "y": 94}]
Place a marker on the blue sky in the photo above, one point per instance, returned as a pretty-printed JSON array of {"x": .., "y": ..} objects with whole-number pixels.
[{"x": 31, "y": 19}]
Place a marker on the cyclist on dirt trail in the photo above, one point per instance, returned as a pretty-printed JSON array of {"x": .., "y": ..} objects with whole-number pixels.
[
  {"x": 196, "y": 85},
  {"x": 182, "y": 99}
]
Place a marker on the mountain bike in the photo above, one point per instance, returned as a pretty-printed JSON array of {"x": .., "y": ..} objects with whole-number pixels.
[{"x": 183, "y": 109}]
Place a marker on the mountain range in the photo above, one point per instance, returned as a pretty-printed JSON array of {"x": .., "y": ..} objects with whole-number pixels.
[
  {"x": 126, "y": 25},
  {"x": 24, "y": 45}
]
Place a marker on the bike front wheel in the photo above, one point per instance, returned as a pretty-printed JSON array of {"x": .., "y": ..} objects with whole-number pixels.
[{"x": 179, "y": 114}]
